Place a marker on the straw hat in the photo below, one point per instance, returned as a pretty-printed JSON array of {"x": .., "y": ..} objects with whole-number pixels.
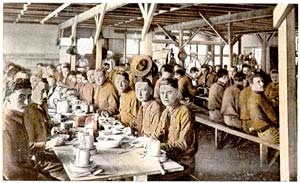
[{"x": 141, "y": 65}]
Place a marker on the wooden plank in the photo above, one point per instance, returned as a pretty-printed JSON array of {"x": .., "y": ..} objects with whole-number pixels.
[
  {"x": 224, "y": 19},
  {"x": 230, "y": 45},
  {"x": 263, "y": 155},
  {"x": 148, "y": 20},
  {"x": 213, "y": 28},
  {"x": 205, "y": 120},
  {"x": 216, "y": 138},
  {"x": 189, "y": 39},
  {"x": 168, "y": 41},
  {"x": 169, "y": 35},
  {"x": 287, "y": 98},
  {"x": 99, "y": 53},
  {"x": 279, "y": 14},
  {"x": 264, "y": 52},
  {"x": 99, "y": 22},
  {"x": 91, "y": 13},
  {"x": 55, "y": 12},
  {"x": 140, "y": 178}
]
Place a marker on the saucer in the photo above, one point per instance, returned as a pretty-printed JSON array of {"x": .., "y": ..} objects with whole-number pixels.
[{"x": 82, "y": 166}]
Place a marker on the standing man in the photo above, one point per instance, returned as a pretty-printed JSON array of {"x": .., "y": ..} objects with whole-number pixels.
[
  {"x": 129, "y": 105},
  {"x": 176, "y": 128},
  {"x": 105, "y": 98},
  {"x": 215, "y": 96},
  {"x": 149, "y": 111}
]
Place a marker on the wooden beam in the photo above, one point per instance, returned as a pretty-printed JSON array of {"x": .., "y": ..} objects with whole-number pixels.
[
  {"x": 280, "y": 12},
  {"x": 99, "y": 21},
  {"x": 230, "y": 45},
  {"x": 264, "y": 52},
  {"x": 224, "y": 19},
  {"x": 260, "y": 39},
  {"x": 189, "y": 39},
  {"x": 99, "y": 45},
  {"x": 287, "y": 96},
  {"x": 169, "y": 35},
  {"x": 55, "y": 12},
  {"x": 91, "y": 13},
  {"x": 213, "y": 28},
  {"x": 148, "y": 20},
  {"x": 142, "y": 10},
  {"x": 168, "y": 41}
]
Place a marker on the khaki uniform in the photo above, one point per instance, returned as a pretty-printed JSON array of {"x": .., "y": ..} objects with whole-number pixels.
[
  {"x": 106, "y": 98},
  {"x": 207, "y": 81},
  {"x": 272, "y": 93},
  {"x": 16, "y": 152},
  {"x": 71, "y": 84},
  {"x": 87, "y": 92},
  {"x": 263, "y": 117},
  {"x": 128, "y": 108},
  {"x": 148, "y": 118},
  {"x": 36, "y": 122},
  {"x": 176, "y": 132},
  {"x": 58, "y": 76},
  {"x": 186, "y": 88},
  {"x": 230, "y": 106},
  {"x": 215, "y": 97},
  {"x": 244, "y": 112}
]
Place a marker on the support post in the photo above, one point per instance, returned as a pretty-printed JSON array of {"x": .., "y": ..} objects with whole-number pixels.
[
  {"x": 125, "y": 47},
  {"x": 287, "y": 95},
  {"x": 99, "y": 44},
  {"x": 264, "y": 52},
  {"x": 221, "y": 55},
  {"x": 240, "y": 45},
  {"x": 229, "y": 38},
  {"x": 148, "y": 44}
]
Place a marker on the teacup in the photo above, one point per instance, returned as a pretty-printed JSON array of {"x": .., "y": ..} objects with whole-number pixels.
[
  {"x": 153, "y": 148},
  {"x": 82, "y": 157}
]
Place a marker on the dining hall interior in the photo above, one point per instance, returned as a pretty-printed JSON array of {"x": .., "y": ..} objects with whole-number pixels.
[{"x": 150, "y": 91}]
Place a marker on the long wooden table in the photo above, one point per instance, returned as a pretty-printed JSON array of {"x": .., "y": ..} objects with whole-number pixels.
[{"x": 116, "y": 164}]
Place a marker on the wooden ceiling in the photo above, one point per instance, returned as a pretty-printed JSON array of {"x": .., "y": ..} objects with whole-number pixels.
[{"x": 170, "y": 16}]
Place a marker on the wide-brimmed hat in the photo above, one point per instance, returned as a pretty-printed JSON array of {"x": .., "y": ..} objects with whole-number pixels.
[{"x": 141, "y": 65}]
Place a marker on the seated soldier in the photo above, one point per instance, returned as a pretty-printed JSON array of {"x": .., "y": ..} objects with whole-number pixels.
[
  {"x": 149, "y": 111},
  {"x": 166, "y": 72},
  {"x": 176, "y": 128},
  {"x": 38, "y": 127},
  {"x": 194, "y": 74},
  {"x": 272, "y": 90},
  {"x": 105, "y": 98},
  {"x": 262, "y": 116},
  {"x": 88, "y": 89},
  {"x": 129, "y": 105},
  {"x": 17, "y": 163},
  {"x": 71, "y": 79},
  {"x": 185, "y": 86},
  {"x": 230, "y": 103},
  {"x": 215, "y": 96},
  {"x": 231, "y": 73},
  {"x": 206, "y": 79},
  {"x": 65, "y": 73}
]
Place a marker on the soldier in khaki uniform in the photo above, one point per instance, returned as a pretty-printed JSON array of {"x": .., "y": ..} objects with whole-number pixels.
[
  {"x": 149, "y": 111},
  {"x": 17, "y": 164},
  {"x": 88, "y": 90},
  {"x": 262, "y": 116},
  {"x": 272, "y": 91},
  {"x": 129, "y": 105},
  {"x": 185, "y": 86},
  {"x": 176, "y": 128},
  {"x": 105, "y": 98},
  {"x": 38, "y": 127}
]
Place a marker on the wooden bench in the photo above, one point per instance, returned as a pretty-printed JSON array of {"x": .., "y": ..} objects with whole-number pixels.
[{"x": 263, "y": 146}]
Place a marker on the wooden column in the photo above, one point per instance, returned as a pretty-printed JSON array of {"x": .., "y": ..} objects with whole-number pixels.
[
  {"x": 240, "y": 45},
  {"x": 284, "y": 20},
  {"x": 148, "y": 44},
  {"x": 212, "y": 48},
  {"x": 125, "y": 47},
  {"x": 99, "y": 44},
  {"x": 229, "y": 38},
  {"x": 73, "y": 62},
  {"x": 264, "y": 51},
  {"x": 221, "y": 55}
]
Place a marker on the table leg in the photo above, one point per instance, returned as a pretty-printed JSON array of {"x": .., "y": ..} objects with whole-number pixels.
[
  {"x": 138, "y": 178},
  {"x": 216, "y": 138},
  {"x": 263, "y": 153}
]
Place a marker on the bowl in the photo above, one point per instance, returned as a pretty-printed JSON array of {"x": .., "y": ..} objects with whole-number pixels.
[{"x": 109, "y": 141}]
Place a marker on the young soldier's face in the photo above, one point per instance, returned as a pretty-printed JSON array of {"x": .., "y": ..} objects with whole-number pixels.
[
  {"x": 143, "y": 91},
  {"x": 40, "y": 92},
  {"x": 90, "y": 76},
  {"x": 99, "y": 78},
  {"x": 258, "y": 84},
  {"x": 20, "y": 99},
  {"x": 121, "y": 83},
  {"x": 274, "y": 78},
  {"x": 168, "y": 95}
]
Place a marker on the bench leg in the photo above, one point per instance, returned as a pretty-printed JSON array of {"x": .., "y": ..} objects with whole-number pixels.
[
  {"x": 216, "y": 138},
  {"x": 263, "y": 154},
  {"x": 275, "y": 157}
]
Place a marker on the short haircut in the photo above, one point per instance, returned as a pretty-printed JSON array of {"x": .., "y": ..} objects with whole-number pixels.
[
  {"x": 204, "y": 66},
  {"x": 274, "y": 71},
  {"x": 124, "y": 74},
  {"x": 245, "y": 65},
  {"x": 167, "y": 68},
  {"x": 234, "y": 68},
  {"x": 171, "y": 82},
  {"x": 181, "y": 72},
  {"x": 17, "y": 85},
  {"x": 221, "y": 73},
  {"x": 254, "y": 76},
  {"x": 44, "y": 80},
  {"x": 240, "y": 76},
  {"x": 72, "y": 73},
  {"x": 194, "y": 69},
  {"x": 101, "y": 70},
  {"x": 145, "y": 80}
]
